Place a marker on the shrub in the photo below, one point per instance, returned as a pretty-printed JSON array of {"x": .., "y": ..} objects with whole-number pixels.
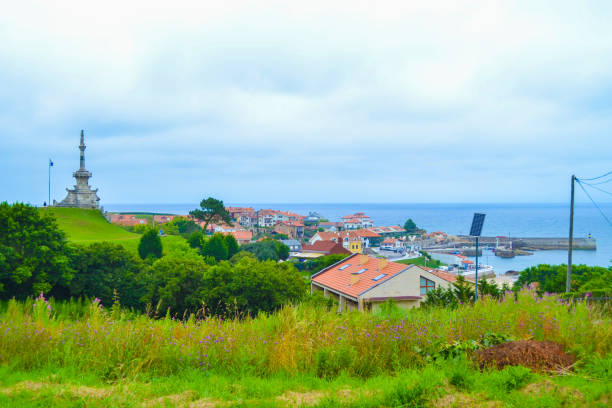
[
  {"x": 150, "y": 245},
  {"x": 103, "y": 267},
  {"x": 216, "y": 246}
]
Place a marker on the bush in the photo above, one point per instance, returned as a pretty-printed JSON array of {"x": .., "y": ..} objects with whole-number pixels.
[
  {"x": 176, "y": 284},
  {"x": 103, "y": 268},
  {"x": 268, "y": 249},
  {"x": 216, "y": 247},
  {"x": 552, "y": 278},
  {"x": 150, "y": 245},
  {"x": 249, "y": 286}
]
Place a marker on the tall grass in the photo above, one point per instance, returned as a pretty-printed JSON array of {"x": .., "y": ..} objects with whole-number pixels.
[{"x": 115, "y": 343}]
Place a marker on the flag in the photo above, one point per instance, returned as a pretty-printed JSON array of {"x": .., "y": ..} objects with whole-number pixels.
[{"x": 50, "y": 163}]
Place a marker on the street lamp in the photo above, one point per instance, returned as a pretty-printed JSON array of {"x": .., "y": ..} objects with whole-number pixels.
[{"x": 475, "y": 231}]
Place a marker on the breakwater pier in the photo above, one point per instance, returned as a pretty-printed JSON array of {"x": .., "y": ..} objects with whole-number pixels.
[{"x": 533, "y": 243}]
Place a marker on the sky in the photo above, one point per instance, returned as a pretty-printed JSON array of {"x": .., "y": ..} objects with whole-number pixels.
[{"x": 318, "y": 101}]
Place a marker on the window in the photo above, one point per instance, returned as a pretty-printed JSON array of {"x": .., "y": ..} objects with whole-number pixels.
[
  {"x": 427, "y": 285},
  {"x": 343, "y": 267},
  {"x": 362, "y": 270},
  {"x": 379, "y": 277}
]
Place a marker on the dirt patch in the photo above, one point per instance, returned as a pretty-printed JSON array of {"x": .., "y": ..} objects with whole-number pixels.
[
  {"x": 465, "y": 400},
  {"x": 79, "y": 391},
  {"x": 537, "y": 355},
  {"x": 295, "y": 399},
  {"x": 183, "y": 399},
  {"x": 548, "y": 387},
  {"x": 208, "y": 403}
]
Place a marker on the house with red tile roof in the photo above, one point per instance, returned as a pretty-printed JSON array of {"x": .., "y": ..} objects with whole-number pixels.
[
  {"x": 393, "y": 244},
  {"x": 355, "y": 240},
  {"x": 293, "y": 229},
  {"x": 362, "y": 282},
  {"x": 326, "y": 248},
  {"x": 127, "y": 220},
  {"x": 356, "y": 221},
  {"x": 242, "y": 236}
]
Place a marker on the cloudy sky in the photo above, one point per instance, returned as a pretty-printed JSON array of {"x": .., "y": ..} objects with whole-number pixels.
[{"x": 327, "y": 101}]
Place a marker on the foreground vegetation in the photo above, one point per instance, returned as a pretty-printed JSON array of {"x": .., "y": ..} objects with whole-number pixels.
[{"x": 389, "y": 359}]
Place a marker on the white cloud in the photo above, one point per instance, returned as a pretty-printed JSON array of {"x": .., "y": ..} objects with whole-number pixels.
[{"x": 245, "y": 97}]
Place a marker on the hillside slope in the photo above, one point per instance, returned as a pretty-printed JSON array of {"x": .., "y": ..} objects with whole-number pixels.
[{"x": 84, "y": 226}]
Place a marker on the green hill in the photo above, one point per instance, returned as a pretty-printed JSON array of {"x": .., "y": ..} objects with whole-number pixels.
[{"x": 84, "y": 226}]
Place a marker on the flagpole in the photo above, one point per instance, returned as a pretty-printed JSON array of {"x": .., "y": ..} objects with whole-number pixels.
[{"x": 49, "y": 190}]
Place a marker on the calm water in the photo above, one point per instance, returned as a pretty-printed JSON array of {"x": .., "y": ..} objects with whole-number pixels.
[{"x": 520, "y": 220}]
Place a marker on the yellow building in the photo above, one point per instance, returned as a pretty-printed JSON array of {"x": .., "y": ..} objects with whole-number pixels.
[{"x": 353, "y": 244}]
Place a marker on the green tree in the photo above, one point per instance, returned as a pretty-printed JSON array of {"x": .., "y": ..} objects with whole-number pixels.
[
  {"x": 183, "y": 226},
  {"x": 176, "y": 283},
  {"x": 33, "y": 252},
  {"x": 249, "y": 286},
  {"x": 211, "y": 209},
  {"x": 216, "y": 247},
  {"x": 268, "y": 249},
  {"x": 101, "y": 268},
  {"x": 282, "y": 250},
  {"x": 150, "y": 244},
  {"x": 552, "y": 278},
  {"x": 410, "y": 226},
  {"x": 463, "y": 290},
  {"x": 232, "y": 245},
  {"x": 318, "y": 264},
  {"x": 196, "y": 240}
]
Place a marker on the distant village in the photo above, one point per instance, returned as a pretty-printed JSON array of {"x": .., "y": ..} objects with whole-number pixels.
[{"x": 307, "y": 236}]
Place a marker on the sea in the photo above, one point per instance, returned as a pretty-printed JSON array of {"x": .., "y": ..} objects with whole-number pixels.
[{"x": 515, "y": 220}]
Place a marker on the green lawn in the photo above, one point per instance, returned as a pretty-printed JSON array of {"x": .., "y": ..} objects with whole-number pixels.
[
  {"x": 84, "y": 226},
  {"x": 433, "y": 263}
]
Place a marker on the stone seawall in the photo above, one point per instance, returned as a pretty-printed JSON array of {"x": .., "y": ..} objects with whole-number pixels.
[{"x": 589, "y": 244}]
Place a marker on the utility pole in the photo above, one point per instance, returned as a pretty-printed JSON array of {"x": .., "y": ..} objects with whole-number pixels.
[
  {"x": 568, "y": 282},
  {"x": 476, "y": 276}
]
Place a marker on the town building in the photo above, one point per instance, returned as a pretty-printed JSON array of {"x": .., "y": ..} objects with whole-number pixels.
[
  {"x": 362, "y": 282},
  {"x": 293, "y": 245},
  {"x": 293, "y": 229},
  {"x": 326, "y": 248},
  {"x": 393, "y": 244},
  {"x": 242, "y": 236},
  {"x": 82, "y": 195},
  {"x": 126, "y": 220},
  {"x": 357, "y": 221}
]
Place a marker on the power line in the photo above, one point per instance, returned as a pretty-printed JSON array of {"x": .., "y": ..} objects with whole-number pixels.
[
  {"x": 593, "y": 201},
  {"x": 599, "y": 182},
  {"x": 598, "y": 188},
  {"x": 595, "y": 178}
]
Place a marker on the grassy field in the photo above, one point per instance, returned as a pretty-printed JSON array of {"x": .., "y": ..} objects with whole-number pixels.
[
  {"x": 83, "y": 226},
  {"x": 78, "y": 354}
]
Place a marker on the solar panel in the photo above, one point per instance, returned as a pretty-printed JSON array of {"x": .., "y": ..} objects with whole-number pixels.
[
  {"x": 477, "y": 223},
  {"x": 379, "y": 277}
]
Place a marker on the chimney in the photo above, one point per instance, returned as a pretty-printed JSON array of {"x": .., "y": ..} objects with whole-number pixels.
[
  {"x": 354, "y": 278},
  {"x": 363, "y": 259},
  {"x": 382, "y": 264}
]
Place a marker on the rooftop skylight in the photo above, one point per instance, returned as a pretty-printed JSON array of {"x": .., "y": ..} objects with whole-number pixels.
[
  {"x": 379, "y": 277},
  {"x": 343, "y": 267}
]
